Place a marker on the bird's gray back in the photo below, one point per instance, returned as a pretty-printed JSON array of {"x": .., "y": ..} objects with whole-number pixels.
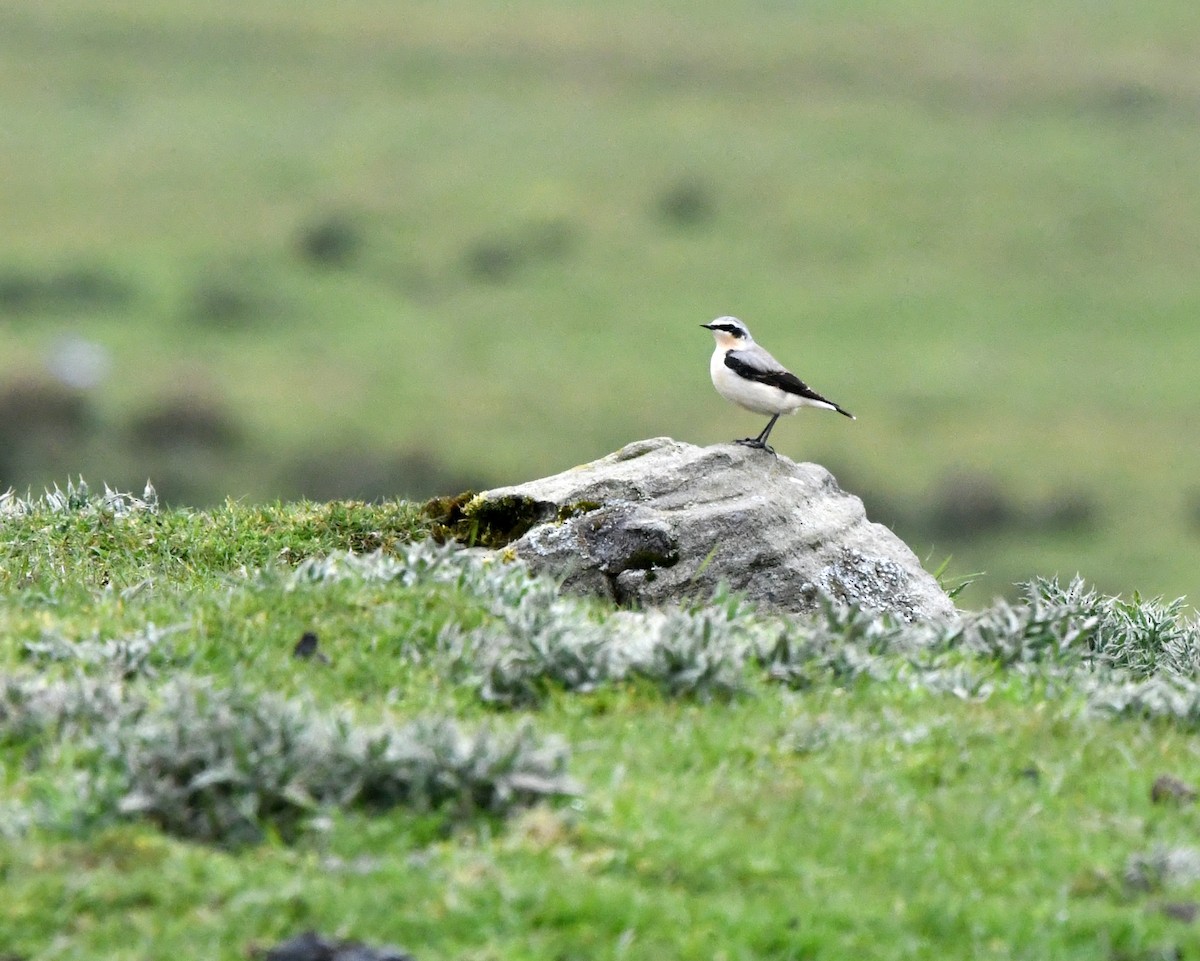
[{"x": 757, "y": 358}]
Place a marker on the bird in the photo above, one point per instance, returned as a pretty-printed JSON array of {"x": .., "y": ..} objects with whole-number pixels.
[{"x": 743, "y": 372}]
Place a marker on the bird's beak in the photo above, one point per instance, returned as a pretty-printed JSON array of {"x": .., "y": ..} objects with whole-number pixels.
[{"x": 707, "y": 326}]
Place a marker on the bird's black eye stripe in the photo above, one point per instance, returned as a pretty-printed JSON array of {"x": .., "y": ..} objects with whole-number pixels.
[{"x": 729, "y": 329}]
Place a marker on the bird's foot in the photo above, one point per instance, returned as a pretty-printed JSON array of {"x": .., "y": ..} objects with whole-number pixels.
[{"x": 756, "y": 444}]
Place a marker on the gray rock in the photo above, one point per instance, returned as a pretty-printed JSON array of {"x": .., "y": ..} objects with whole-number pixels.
[{"x": 660, "y": 521}]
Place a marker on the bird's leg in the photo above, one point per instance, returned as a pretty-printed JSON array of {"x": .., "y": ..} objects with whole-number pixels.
[
  {"x": 766, "y": 431},
  {"x": 761, "y": 440}
]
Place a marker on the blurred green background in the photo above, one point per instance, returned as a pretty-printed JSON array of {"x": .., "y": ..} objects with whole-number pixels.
[{"x": 281, "y": 248}]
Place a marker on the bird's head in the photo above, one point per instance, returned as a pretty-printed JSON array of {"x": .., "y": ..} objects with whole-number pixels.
[{"x": 730, "y": 333}]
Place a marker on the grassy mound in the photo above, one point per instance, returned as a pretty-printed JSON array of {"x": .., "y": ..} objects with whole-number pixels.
[{"x": 222, "y": 728}]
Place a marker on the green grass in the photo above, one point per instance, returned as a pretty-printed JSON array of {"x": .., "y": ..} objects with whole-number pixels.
[
  {"x": 712, "y": 841},
  {"x": 973, "y": 224},
  {"x": 861, "y": 810}
]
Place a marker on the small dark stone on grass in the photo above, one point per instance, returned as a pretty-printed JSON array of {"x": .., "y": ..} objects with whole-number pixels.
[
  {"x": 306, "y": 648},
  {"x": 307, "y": 645},
  {"x": 311, "y": 946},
  {"x": 1185, "y": 911},
  {"x": 1169, "y": 788}
]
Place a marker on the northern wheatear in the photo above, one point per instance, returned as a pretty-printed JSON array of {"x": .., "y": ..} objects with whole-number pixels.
[{"x": 750, "y": 377}]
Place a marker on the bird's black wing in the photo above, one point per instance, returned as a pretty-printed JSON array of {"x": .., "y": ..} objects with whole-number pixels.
[{"x": 785, "y": 380}]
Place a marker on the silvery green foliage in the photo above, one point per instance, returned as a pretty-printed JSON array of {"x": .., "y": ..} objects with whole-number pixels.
[
  {"x": 227, "y": 765},
  {"x": 1142, "y": 638},
  {"x": 1137, "y": 658},
  {"x": 1161, "y": 868},
  {"x": 1148, "y": 638},
  {"x": 126, "y": 656},
  {"x": 958, "y": 681},
  {"x": 513, "y": 660},
  {"x": 540, "y": 641},
  {"x": 1175, "y": 698},
  {"x": 33, "y": 707},
  {"x": 79, "y": 499},
  {"x": 839, "y": 643},
  {"x": 696, "y": 653},
  {"x": 418, "y": 563},
  {"x": 1133, "y": 657},
  {"x": 531, "y": 632},
  {"x": 224, "y": 765},
  {"x": 423, "y": 563},
  {"x": 533, "y": 638},
  {"x": 1051, "y": 627},
  {"x": 813, "y": 735}
]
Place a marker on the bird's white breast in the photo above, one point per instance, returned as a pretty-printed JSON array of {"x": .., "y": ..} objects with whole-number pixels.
[{"x": 760, "y": 398}]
